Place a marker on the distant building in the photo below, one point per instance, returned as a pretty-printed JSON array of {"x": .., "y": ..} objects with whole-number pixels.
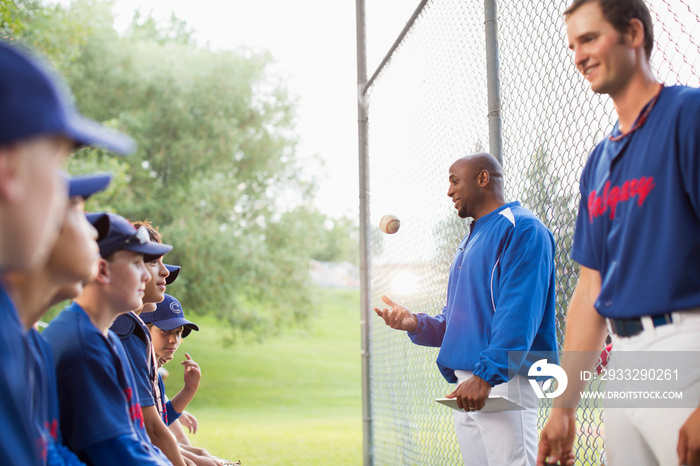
[{"x": 334, "y": 274}]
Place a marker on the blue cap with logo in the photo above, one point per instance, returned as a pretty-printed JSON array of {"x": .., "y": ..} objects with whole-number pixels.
[
  {"x": 168, "y": 316},
  {"x": 121, "y": 234},
  {"x": 174, "y": 272},
  {"x": 34, "y": 102}
]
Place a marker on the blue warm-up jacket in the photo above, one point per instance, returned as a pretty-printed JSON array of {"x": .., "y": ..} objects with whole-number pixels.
[{"x": 500, "y": 312}]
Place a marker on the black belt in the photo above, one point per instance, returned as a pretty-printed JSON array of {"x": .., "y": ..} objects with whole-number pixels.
[{"x": 633, "y": 326}]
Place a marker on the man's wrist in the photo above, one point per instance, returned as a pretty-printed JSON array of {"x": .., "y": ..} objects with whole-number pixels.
[
  {"x": 564, "y": 411},
  {"x": 483, "y": 382},
  {"x": 415, "y": 321}
]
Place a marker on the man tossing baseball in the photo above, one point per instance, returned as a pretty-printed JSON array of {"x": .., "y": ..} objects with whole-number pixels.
[{"x": 499, "y": 315}]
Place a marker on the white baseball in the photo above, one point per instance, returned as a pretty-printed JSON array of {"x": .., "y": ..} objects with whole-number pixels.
[{"x": 390, "y": 224}]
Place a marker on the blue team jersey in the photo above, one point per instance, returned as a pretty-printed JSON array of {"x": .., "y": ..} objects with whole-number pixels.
[
  {"x": 168, "y": 413},
  {"x": 639, "y": 217},
  {"x": 46, "y": 403},
  {"x": 137, "y": 342},
  {"x": 100, "y": 417},
  {"x": 500, "y": 311},
  {"x": 20, "y": 442}
]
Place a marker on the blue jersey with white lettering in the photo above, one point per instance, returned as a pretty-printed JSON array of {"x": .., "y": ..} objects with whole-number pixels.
[
  {"x": 639, "y": 217},
  {"x": 499, "y": 317},
  {"x": 100, "y": 417},
  {"x": 20, "y": 442}
]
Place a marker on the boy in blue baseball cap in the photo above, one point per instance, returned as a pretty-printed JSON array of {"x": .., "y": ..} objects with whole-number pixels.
[
  {"x": 39, "y": 127},
  {"x": 72, "y": 261},
  {"x": 101, "y": 419},
  {"x": 136, "y": 339},
  {"x": 185, "y": 419},
  {"x": 168, "y": 326}
]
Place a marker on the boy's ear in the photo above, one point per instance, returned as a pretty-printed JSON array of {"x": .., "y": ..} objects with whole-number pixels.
[{"x": 103, "y": 272}]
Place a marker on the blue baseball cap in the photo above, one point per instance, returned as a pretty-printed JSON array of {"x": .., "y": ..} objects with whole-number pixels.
[
  {"x": 87, "y": 185},
  {"x": 174, "y": 272},
  {"x": 121, "y": 234},
  {"x": 168, "y": 316},
  {"x": 34, "y": 101}
]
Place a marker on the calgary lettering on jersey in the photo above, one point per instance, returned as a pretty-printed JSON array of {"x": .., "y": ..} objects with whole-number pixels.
[
  {"x": 134, "y": 408},
  {"x": 610, "y": 197}
]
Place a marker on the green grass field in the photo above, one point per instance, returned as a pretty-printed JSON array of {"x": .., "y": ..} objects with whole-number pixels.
[{"x": 295, "y": 398}]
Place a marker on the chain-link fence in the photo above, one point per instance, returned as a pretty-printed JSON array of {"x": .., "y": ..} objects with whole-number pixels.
[{"x": 428, "y": 106}]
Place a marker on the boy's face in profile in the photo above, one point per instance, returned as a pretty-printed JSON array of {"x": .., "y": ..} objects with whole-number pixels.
[
  {"x": 155, "y": 287},
  {"x": 35, "y": 196},
  {"x": 75, "y": 254},
  {"x": 127, "y": 275}
]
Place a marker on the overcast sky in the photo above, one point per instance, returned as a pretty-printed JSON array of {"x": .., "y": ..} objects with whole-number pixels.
[{"x": 314, "y": 44}]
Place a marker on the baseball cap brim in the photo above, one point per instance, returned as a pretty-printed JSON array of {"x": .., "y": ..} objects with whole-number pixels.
[
  {"x": 168, "y": 324},
  {"x": 86, "y": 186},
  {"x": 86, "y": 132},
  {"x": 151, "y": 250},
  {"x": 174, "y": 272},
  {"x": 100, "y": 221}
]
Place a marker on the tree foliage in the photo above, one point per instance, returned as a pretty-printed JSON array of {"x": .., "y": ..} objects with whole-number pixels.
[
  {"x": 14, "y": 15},
  {"x": 216, "y": 164}
]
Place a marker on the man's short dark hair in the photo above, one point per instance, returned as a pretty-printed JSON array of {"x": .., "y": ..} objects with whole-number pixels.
[{"x": 619, "y": 13}]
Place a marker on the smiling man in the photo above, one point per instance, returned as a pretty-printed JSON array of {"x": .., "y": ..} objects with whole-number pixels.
[
  {"x": 637, "y": 236},
  {"x": 498, "y": 319}
]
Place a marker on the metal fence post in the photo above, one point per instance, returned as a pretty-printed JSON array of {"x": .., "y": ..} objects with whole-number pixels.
[
  {"x": 365, "y": 295},
  {"x": 493, "y": 80},
  {"x": 427, "y": 99}
]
